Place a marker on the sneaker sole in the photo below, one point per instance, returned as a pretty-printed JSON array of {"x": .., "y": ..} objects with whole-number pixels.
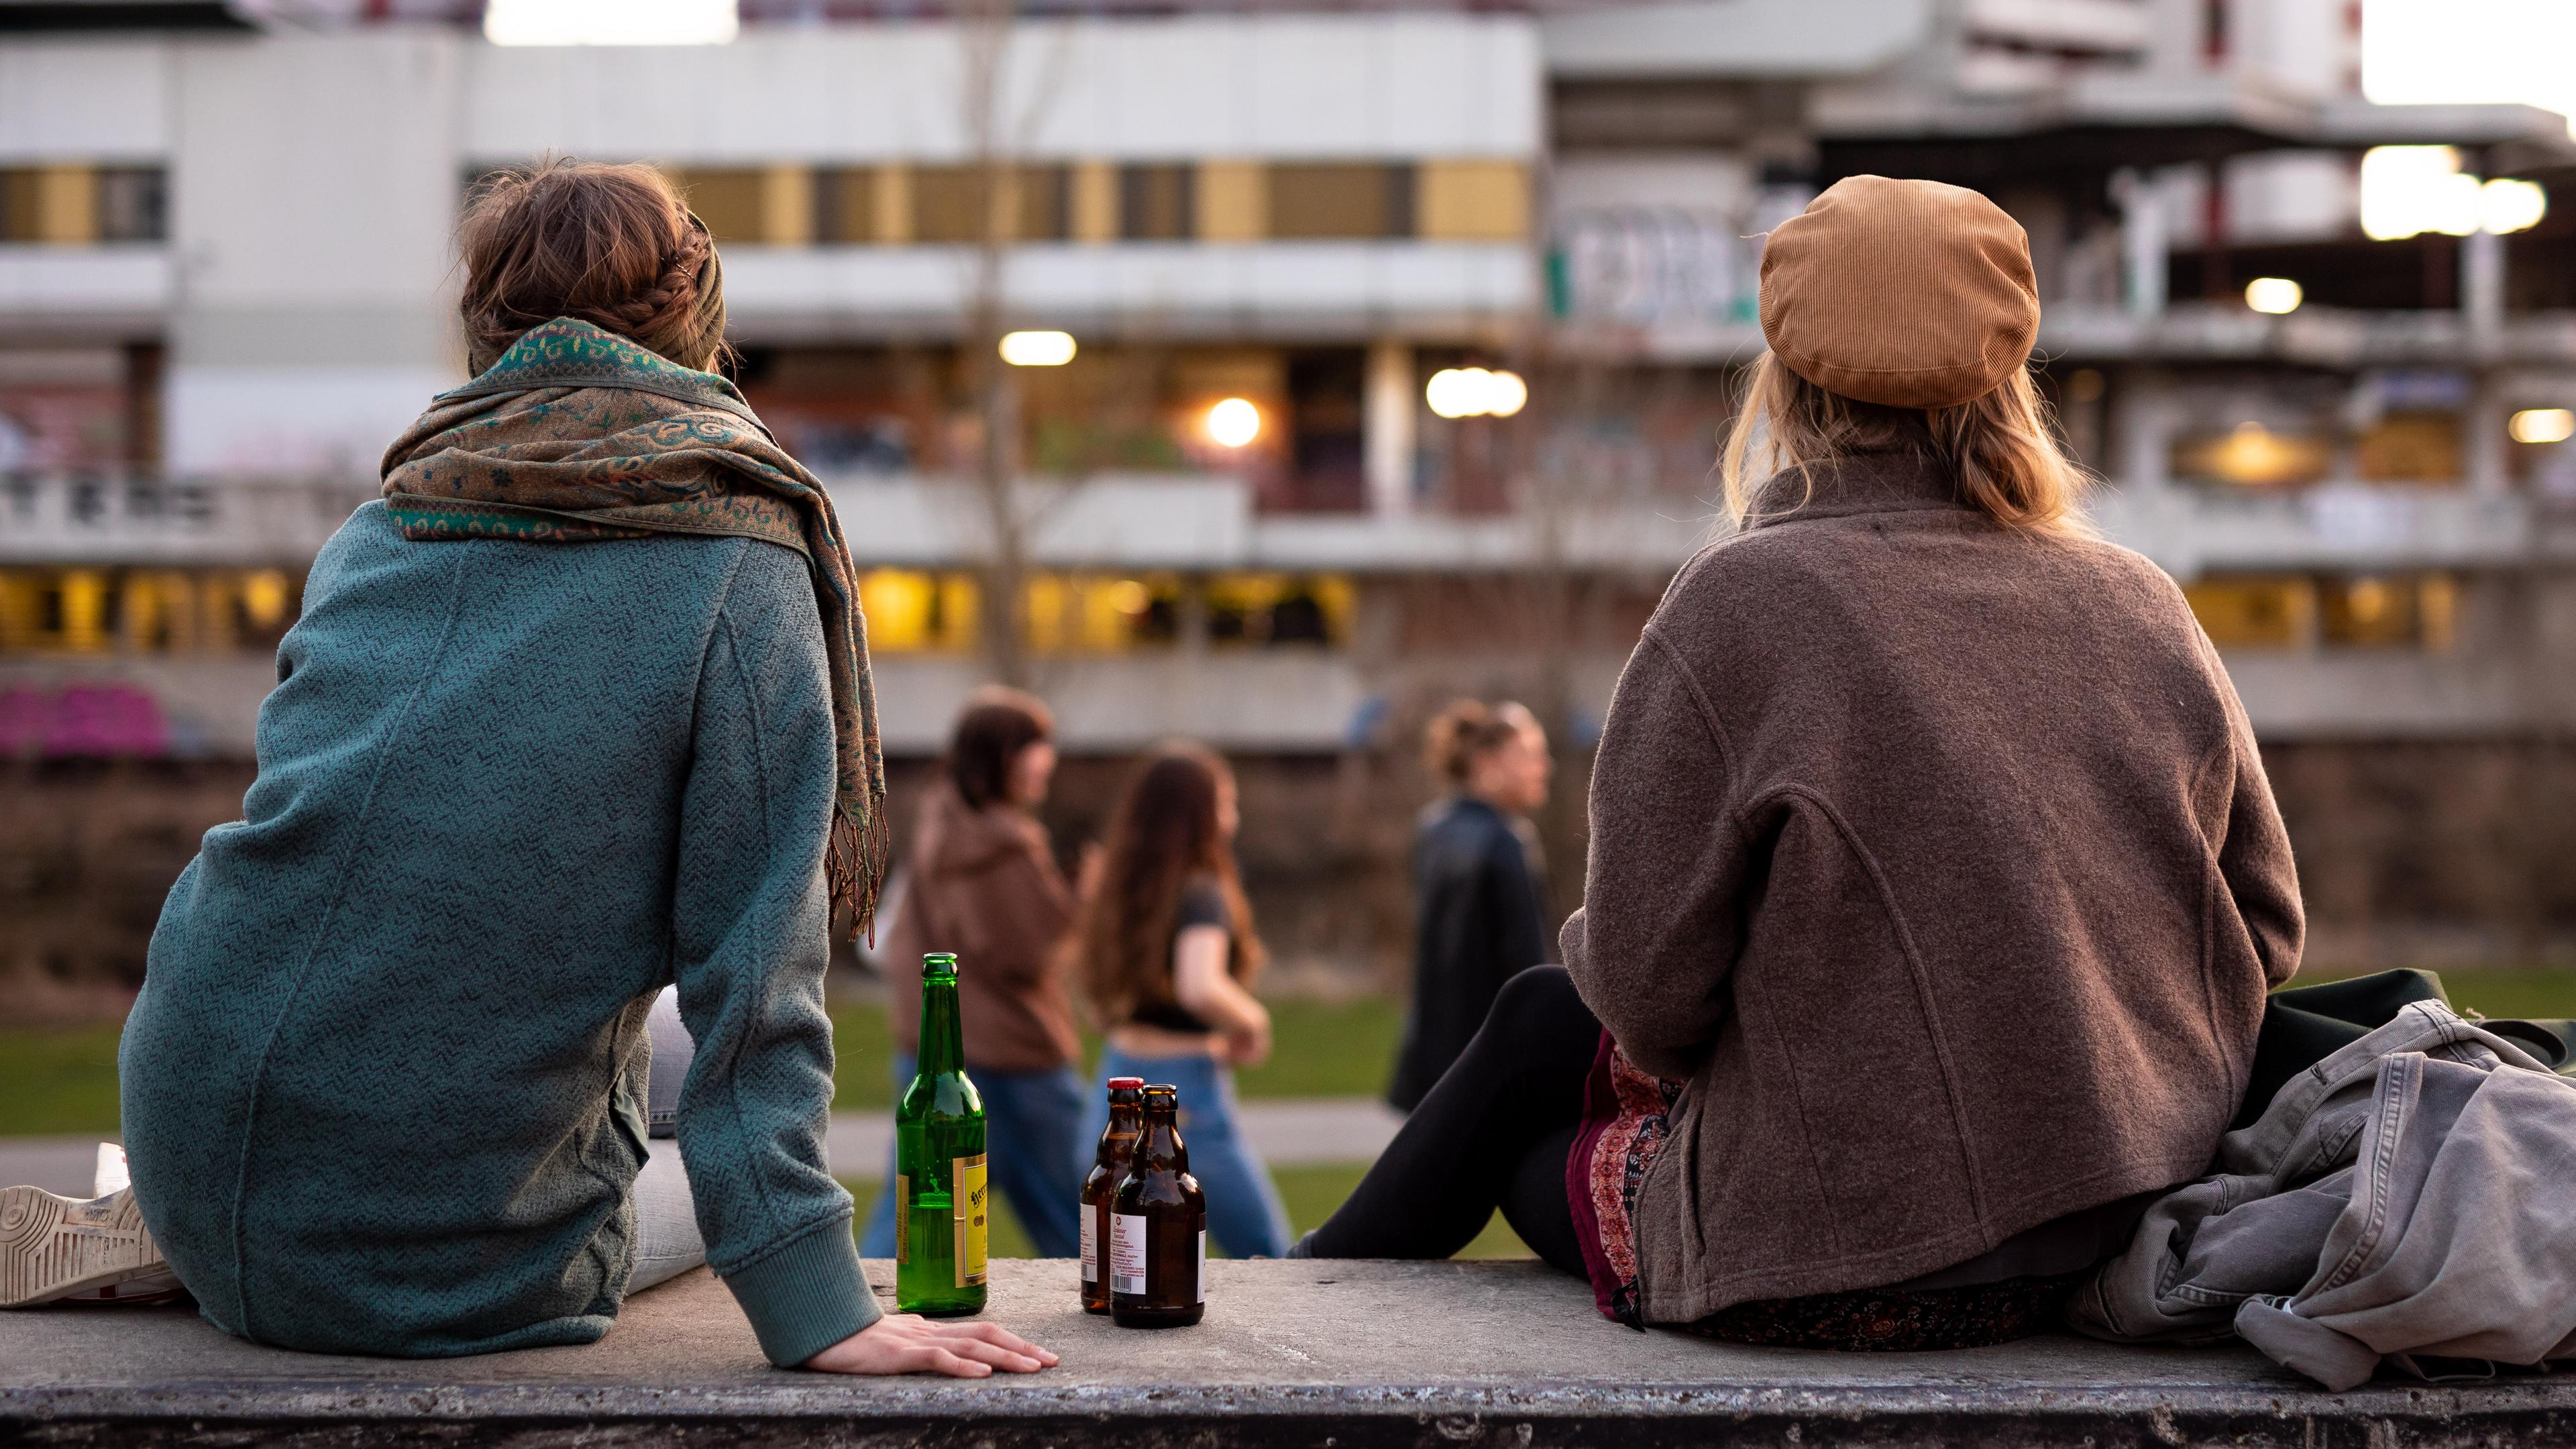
[{"x": 50, "y": 1246}]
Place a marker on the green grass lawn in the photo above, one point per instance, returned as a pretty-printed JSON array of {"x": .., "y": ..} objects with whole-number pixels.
[
  {"x": 1319, "y": 1049},
  {"x": 63, "y": 1079},
  {"x": 55, "y": 1080}
]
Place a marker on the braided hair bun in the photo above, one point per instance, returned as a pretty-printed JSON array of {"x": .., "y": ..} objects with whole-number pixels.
[{"x": 613, "y": 246}]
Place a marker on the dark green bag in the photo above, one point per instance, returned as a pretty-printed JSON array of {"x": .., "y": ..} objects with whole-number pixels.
[{"x": 2303, "y": 1025}]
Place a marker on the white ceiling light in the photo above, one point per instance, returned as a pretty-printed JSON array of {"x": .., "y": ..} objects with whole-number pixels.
[
  {"x": 2510, "y": 206},
  {"x": 611, "y": 22},
  {"x": 2542, "y": 425},
  {"x": 1037, "y": 349},
  {"x": 1473, "y": 392},
  {"x": 1234, "y": 422},
  {"x": 2410, "y": 190},
  {"x": 2277, "y": 296}
]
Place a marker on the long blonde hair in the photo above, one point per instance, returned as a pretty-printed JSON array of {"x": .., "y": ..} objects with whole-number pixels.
[{"x": 2001, "y": 447}]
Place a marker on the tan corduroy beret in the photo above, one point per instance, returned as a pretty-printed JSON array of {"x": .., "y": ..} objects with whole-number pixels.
[{"x": 1910, "y": 294}]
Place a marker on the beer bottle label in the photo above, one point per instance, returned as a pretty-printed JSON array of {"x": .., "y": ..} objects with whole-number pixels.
[
  {"x": 1128, "y": 1243},
  {"x": 902, "y": 1218},
  {"x": 966, "y": 1190},
  {"x": 1090, "y": 1243},
  {"x": 1199, "y": 1295}
]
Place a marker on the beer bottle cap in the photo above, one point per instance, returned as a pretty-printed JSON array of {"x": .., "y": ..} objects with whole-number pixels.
[{"x": 1127, "y": 1084}]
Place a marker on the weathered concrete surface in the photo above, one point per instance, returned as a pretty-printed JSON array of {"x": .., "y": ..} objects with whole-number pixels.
[{"x": 1347, "y": 1355}]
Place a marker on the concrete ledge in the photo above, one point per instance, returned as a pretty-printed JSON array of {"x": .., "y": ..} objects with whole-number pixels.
[{"x": 1348, "y": 1355}]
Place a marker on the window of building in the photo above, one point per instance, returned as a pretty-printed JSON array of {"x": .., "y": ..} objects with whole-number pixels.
[
  {"x": 2255, "y": 613},
  {"x": 2253, "y": 455},
  {"x": 146, "y": 611},
  {"x": 1340, "y": 201},
  {"x": 729, "y": 200},
  {"x": 1093, "y": 614},
  {"x": 133, "y": 204},
  {"x": 1278, "y": 609},
  {"x": 2377, "y": 611},
  {"x": 2411, "y": 447},
  {"x": 912, "y": 611},
  {"x": 69, "y": 408},
  {"x": 948, "y": 203},
  {"x": 2368, "y": 611},
  {"x": 847, "y": 211},
  {"x": 18, "y": 212},
  {"x": 82, "y": 205},
  {"x": 1326, "y": 450},
  {"x": 1473, "y": 201},
  {"x": 1157, "y": 202}
]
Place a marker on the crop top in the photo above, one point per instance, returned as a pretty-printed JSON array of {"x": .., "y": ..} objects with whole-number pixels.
[{"x": 1202, "y": 904}]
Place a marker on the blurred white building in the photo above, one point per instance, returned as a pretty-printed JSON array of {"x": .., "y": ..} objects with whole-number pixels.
[{"x": 226, "y": 280}]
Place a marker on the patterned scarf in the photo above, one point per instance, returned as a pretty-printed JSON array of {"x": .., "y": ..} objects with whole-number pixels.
[{"x": 578, "y": 434}]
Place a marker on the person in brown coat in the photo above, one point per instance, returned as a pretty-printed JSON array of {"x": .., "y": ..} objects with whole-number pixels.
[
  {"x": 984, "y": 884},
  {"x": 1935, "y": 885}
]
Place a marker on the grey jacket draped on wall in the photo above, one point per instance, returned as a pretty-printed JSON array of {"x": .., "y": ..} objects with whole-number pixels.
[{"x": 2403, "y": 1199}]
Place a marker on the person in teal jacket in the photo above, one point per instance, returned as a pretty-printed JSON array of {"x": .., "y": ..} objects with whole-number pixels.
[{"x": 579, "y": 711}]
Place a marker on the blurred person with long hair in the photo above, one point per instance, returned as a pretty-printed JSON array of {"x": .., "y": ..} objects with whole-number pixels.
[
  {"x": 1479, "y": 914},
  {"x": 572, "y": 757},
  {"x": 1166, "y": 953},
  {"x": 984, "y": 885},
  {"x": 1934, "y": 883}
]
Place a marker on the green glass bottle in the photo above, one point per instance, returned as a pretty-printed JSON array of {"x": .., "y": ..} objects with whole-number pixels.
[{"x": 940, "y": 1203}]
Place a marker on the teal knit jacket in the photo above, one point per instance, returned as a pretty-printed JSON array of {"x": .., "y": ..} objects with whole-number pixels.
[{"x": 382, "y": 1087}]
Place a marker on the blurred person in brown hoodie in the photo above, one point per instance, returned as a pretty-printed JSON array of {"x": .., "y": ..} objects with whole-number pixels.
[{"x": 984, "y": 884}]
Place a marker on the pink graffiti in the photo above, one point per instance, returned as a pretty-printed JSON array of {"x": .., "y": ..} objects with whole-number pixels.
[{"x": 82, "y": 721}]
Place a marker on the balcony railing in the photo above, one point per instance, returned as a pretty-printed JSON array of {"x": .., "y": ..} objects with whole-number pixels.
[
  {"x": 1208, "y": 522},
  {"x": 122, "y": 518}
]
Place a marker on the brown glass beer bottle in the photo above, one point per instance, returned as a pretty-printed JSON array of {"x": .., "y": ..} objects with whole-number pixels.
[
  {"x": 1108, "y": 1169},
  {"x": 1158, "y": 1228}
]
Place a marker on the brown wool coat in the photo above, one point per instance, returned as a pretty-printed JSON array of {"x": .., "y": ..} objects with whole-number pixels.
[
  {"x": 985, "y": 886},
  {"x": 1938, "y": 859}
]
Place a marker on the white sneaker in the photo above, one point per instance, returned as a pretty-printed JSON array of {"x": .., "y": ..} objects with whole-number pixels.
[{"x": 60, "y": 1249}]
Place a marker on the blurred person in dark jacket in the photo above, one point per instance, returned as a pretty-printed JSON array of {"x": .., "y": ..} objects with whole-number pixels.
[
  {"x": 985, "y": 886},
  {"x": 1479, "y": 915}
]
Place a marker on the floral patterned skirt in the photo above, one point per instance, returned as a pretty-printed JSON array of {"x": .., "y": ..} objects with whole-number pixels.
[{"x": 1626, "y": 1113}]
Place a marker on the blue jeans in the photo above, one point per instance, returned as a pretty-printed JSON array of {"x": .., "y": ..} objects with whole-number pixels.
[
  {"x": 1033, "y": 1150},
  {"x": 1243, "y": 1212}
]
